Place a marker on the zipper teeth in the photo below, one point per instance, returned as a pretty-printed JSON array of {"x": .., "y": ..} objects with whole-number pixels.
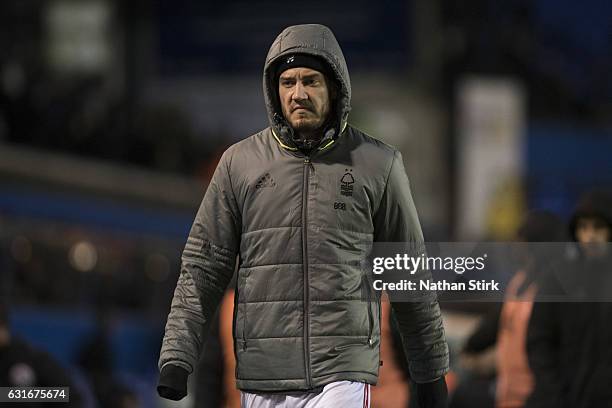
[{"x": 305, "y": 265}]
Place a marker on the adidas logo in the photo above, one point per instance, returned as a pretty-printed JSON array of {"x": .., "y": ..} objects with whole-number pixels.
[{"x": 265, "y": 181}]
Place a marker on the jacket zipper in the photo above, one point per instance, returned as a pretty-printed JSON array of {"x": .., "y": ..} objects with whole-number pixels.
[{"x": 305, "y": 266}]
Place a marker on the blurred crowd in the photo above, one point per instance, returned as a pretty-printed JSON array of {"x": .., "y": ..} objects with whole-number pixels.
[{"x": 530, "y": 351}]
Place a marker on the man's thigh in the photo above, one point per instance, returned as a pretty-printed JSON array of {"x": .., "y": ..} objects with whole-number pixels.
[{"x": 348, "y": 394}]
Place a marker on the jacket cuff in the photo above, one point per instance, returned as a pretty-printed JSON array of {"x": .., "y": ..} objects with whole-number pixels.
[
  {"x": 172, "y": 382},
  {"x": 432, "y": 394}
]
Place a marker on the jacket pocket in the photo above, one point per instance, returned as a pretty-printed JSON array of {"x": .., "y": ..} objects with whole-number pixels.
[
  {"x": 244, "y": 327},
  {"x": 368, "y": 297},
  {"x": 244, "y": 305},
  {"x": 235, "y": 315},
  {"x": 371, "y": 331}
]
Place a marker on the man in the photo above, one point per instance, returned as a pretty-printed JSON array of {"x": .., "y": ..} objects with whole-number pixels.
[
  {"x": 296, "y": 202},
  {"x": 569, "y": 345}
]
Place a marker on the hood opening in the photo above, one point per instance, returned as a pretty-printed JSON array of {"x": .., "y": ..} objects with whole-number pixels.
[
  {"x": 594, "y": 204},
  {"x": 337, "y": 99},
  {"x": 313, "y": 40}
]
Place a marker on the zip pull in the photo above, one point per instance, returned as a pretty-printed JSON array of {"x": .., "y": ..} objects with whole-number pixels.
[
  {"x": 308, "y": 163},
  {"x": 371, "y": 342}
]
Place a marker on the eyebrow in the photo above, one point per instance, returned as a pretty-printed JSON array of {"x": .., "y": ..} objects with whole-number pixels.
[{"x": 310, "y": 76}]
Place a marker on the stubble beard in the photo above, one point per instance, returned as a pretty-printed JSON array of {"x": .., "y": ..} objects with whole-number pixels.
[
  {"x": 308, "y": 131},
  {"x": 305, "y": 125},
  {"x": 308, "y": 128}
]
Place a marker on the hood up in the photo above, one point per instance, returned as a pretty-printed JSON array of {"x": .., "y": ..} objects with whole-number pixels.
[
  {"x": 319, "y": 41},
  {"x": 596, "y": 203}
]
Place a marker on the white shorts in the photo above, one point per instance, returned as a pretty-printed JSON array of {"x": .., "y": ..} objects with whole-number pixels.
[{"x": 346, "y": 394}]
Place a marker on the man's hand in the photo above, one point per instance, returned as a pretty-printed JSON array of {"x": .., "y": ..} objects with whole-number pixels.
[
  {"x": 432, "y": 395},
  {"x": 172, "y": 382}
]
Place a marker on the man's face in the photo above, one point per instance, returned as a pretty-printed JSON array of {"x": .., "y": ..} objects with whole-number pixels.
[
  {"x": 592, "y": 233},
  {"x": 304, "y": 97},
  {"x": 592, "y": 230}
]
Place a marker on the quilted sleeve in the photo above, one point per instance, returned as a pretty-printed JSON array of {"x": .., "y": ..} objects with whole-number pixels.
[
  {"x": 419, "y": 321},
  {"x": 207, "y": 266}
]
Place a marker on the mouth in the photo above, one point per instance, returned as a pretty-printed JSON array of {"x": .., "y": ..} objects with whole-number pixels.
[{"x": 301, "y": 108}]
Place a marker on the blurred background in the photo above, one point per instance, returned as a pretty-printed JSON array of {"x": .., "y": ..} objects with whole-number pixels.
[{"x": 113, "y": 115}]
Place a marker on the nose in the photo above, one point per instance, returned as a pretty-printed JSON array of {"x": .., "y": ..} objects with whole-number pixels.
[
  {"x": 588, "y": 235},
  {"x": 299, "y": 92}
]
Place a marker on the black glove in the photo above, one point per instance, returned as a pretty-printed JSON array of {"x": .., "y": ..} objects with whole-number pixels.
[
  {"x": 432, "y": 394},
  {"x": 172, "y": 382}
]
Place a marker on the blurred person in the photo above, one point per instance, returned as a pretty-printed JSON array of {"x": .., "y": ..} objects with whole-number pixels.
[
  {"x": 476, "y": 369},
  {"x": 22, "y": 365},
  {"x": 514, "y": 378},
  {"x": 495, "y": 353},
  {"x": 95, "y": 358},
  {"x": 295, "y": 201},
  {"x": 231, "y": 395},
  {"x": 569, "y": 344},
  {"x": 215, "y": 371},
  {"x": 392, "y": 389}
]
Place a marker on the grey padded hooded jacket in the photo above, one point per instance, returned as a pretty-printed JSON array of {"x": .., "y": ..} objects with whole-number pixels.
[{"x": 299, "y": 224}]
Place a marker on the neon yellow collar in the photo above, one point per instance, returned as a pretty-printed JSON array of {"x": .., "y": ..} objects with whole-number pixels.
[{"x": 280, "y": 142}]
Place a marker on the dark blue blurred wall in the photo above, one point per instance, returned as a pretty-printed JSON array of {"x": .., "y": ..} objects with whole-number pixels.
[
  {"x": 564, "y": 161},
  {"x": 205, "y": 37}
]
